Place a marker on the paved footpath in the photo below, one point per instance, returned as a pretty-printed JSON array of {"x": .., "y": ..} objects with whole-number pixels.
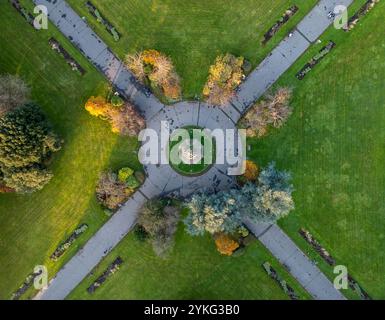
[
  {"x": 162, "y": 179},
  {"x": 295, "y": 261}
]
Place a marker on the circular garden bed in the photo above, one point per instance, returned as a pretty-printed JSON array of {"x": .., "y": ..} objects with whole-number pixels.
[{"x": 187, "y": 155}]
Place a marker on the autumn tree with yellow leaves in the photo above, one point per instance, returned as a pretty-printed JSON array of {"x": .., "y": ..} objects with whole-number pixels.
[
  {"x": 124, "y": 119},
  {"x": 225, "y": 76}
]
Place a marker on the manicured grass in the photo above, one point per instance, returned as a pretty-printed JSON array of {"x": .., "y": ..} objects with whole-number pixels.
[
  {"x": 334, "y": 145},
  {"x": 193, "y": 33},
  {"x": 201, "y": 166},
  {"x": 33, "y": 225},
  {"x": 194, "y": 270}
]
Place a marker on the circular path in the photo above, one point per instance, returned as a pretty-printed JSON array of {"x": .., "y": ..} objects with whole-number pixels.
[{"x": 162, "y": 179}]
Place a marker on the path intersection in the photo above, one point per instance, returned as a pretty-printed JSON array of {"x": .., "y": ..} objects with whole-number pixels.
[{"x": 162, "y": 179}]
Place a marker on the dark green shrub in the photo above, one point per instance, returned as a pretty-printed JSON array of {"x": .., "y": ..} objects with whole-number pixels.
[
  {"x": 132, "y": 183},
  {"x": 26, "y": 179},
  {"x": 140, "y": 233},
  {"x": 117, "y": 101},
  {"x": 26, "y": 145}
]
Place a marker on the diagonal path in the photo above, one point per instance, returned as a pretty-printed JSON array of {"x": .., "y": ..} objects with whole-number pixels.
[
  {"x": 163, "y": 180},
  {"x": 295, "y": 261}
]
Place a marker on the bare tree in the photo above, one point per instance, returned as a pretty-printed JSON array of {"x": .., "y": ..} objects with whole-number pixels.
[
  {"x": 135, "y": 63},
  {"x": 281, "y": 96},
  {"x": 157, "y": 68},
  {"x": 279, "y": 114},
  {"x": 256, "y": 120},
  {"x": 160, "y": 220},
  {"x": 110, "y": 191},
  {"x": 279, "y": 109},
  {"x": 126, "y": 120},
  {"x": 219, "y": 95},
  {"x": 162, "y": 70},
  {"x": 273, "y": 111}
]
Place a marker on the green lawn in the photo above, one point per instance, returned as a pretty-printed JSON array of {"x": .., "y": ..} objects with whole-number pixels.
[
  {"x": 334, "y": 144},
  {"x": 201, "y": 166},
  {"x": 33, "y": 225},
  {"x": 193, "y": 33},
  {"x": 194, "y": 270}
]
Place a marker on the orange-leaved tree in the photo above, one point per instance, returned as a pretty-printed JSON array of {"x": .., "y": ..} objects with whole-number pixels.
[
  {"x": 252, "y": 171},
  {"x": 226, "y": 245}
]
